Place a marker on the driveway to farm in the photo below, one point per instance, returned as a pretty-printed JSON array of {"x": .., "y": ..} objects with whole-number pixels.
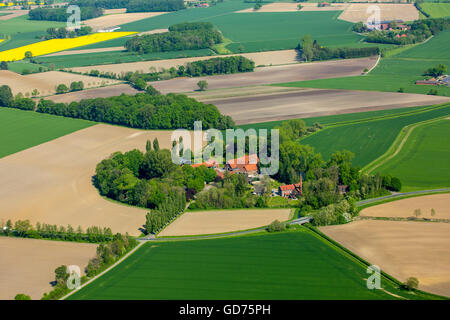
[
  {"x": 314, "y": 102},
  {"x": 269, "y": 75}
]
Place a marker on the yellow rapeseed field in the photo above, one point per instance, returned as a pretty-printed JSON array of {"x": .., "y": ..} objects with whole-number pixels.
[{"x": 55, "y": 45}]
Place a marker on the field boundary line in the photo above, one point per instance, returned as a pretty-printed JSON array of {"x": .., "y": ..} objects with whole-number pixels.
[
  {"x": 141, "y": 243},
  {"x": 397, "y": 145}
]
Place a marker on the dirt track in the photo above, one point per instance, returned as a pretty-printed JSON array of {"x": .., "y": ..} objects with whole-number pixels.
[
  {"x": 274, "y": 74},
  {"x": 104, "y": 92},
  {"x": 402, "y": 249},
  {"x": 405, "y": 208},
  {"x": 28, "y": 265},
  {"x": 314, "y": 102},
  {"x": 219, "y": 221},
  {"x": 13, "y": 14},
  {"x": 52, "y": 182},
  {"x": 46, "y": 82},
  {"x": 260, "y": 58}
]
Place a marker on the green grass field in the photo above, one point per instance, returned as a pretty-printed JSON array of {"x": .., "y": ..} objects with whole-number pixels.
[
  {"x": 424, "y": 160},
  {"x": 395, "y": 72},
  {"x": 367, "y": 139},
  {"x": 436, "y": 10},
  {"x": 291, "y": 265},
  {"x": 20, "y": 130}
]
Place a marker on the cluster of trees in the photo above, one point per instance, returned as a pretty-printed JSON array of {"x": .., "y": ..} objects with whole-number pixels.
[
  {"x": 155, "y": 5},
  {"x": 311, "y": 51},
  {"x": 192, "y": 36},
  {"x": 133, "y": 5},
  {"x": 218, "y": 65},
  {"x": 420, "y": 31},
  {"x": 60, "y": 14},
  {"x": 337, "y": 213},
  {"x": 3, "y": 65},
  {"x": 24, "y": 229},
  {"x": 19, "y": 101},
  {"x": 277, "y": 226},
  {"x": 63, "y": 33},
  {"x": 143, "y": 110},
  {"x": 436, "y": 71},
  {"x": 107, "y": 254},
  {"x": 159, "y": 217},
  {"x": 74, "y": 86},
  {"x": 232, "y": 192}
]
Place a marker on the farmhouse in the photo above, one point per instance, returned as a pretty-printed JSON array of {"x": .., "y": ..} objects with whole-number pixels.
[
  {"x": 247, "y": 164},
  {"x": 442, "y": 80},
  {"x": 209, "y": 164},
  {"x": 291, "y": 190}
]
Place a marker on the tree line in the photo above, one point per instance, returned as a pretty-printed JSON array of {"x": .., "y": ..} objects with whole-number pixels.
[
  {"x": 63, "y": 33},
  {"x": 312, "y": 51},
  {"x": 24, "y": 229},
  {"x": 190, "y": 38},
  {"x": 133, "y": 5},
  {"x": 60, "y": 14}
]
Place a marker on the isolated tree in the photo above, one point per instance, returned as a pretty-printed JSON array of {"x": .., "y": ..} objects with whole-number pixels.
[
  {"x": 202, "y": 85},
  {"x": 257, "y": 6},
  {"x": 35, "y": 93},
  {"x": 417, "y": 213},
  {"x": 3, "y": 65},
  {"x": 62, "y": 88},
  {"x": 299, "y": 7},
  {"x": 28, "y": 55},
  {"x": 433, "y": 212},
  {"x": 22, "y": 296},
  {"x": 307, "y": 48},
  {"x": 412, "y": 283},
  {"x": 156, "y": 144},
  {"x": 61, "y": 275},
  {"x": 6, "y": 96},
  {"x": 148, "y": 146}
]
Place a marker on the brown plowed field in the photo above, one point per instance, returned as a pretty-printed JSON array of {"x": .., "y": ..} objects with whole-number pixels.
[
  {"x": 405, "y": 208},
  {"x": 52, "y": 182},
  {"x": 403, "y": 249},
  {"x": 28, "y": 265},
  {"x": 219, "y": 221}
]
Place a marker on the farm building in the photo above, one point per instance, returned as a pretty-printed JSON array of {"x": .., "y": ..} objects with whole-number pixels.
[
  {"x": 442, "y": 80},
  {"x": 291, "y": 190},
  {"x": 209, "y": 164},
  {"x": 247, "y": 164}
]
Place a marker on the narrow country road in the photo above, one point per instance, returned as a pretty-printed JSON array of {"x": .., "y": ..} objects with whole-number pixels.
[{"x": 400, "y": 194}]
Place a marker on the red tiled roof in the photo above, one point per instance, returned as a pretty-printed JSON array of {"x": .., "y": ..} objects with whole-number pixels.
[
  {"x": 208, "y": 164},
  {"x": 245, "y": 160}
]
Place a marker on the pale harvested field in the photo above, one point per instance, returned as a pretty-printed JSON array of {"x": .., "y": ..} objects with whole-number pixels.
[
  {"x": 292, "y": 7},
  {"x": 113, "y": 20},
  {"x": 219, "y": 221},
  {"x": 155, "y": 31},
  {"x": 13, "y": 14},
  {"x": 46, "y": 82},
  {"x": 28, "y": 265},
  {"x": 52, "y": 182},
  {"x": 356, "y": 12},
  {"x": 102, "y": 92},
  {"x": 70, "y": 52},
  {"x": 403, "y": 249},
  {"x": 274, "y": 74},
  {"x": 115, "y": 11},
  {"x": 260, "y": 58},
  {"x": 405, "y": 208},
  {"x": 313, "y": 102}
]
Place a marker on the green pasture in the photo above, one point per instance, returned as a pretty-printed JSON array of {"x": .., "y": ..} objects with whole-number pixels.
[
  {"x": 22, "y": 66},
  {"x": 424, "y": 160},
  {"x": 395, "y": 72},
  {"x": 368, "y": 140},
  {"x": 436, "y": 10},
  {"x": 20, "y": 130},
  {"x": 290, "y": 265}
]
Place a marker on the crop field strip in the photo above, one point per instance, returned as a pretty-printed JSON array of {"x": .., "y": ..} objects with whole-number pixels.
[
  {"x": 368, "y": 139},
  {"x": 211, "y": 269},
  {"x": 20, "y": 130},
  {"x": 396, "y": 71},
  {"x": 422, "y": 162},
  {"x": 436, "y": 10}
]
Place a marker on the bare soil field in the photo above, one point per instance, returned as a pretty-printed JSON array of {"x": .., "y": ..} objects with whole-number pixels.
[
  {"x": 13, "y": 14},
  {"x": 112, "y": 20},
  {"x": 209, "y": 95},
  {"x": 46, "y": 82},
  {"x": 52, "y": 182},
  {"x": 70, "y": 52},
  {"x": 28, "y": 265},
  {"x": 403, "y": 249},
  {"x": 405, "y": 208},
  {"x": 293, "y": 7},
  {"x": 274, "y": 74},
  {"x": 153, "y": 31},
  {"x": 312, "y": 102},
  {"x": 260, "y": 58},
  {"x": 356, "y": 12},
  {"x": 219, "y": 221},
  {"x": 102, "y": 92}
]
